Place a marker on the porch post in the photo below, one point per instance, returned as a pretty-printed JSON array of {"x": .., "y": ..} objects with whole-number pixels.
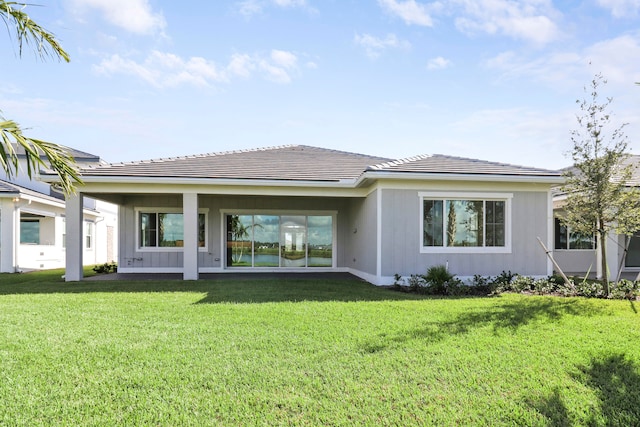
[
  {"x": 8, "y": 236},
  {"x": 190, "y": 217},
  {"x": 73, "y": 231}
]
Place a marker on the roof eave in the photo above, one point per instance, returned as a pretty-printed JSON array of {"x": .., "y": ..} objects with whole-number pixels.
[
  {"x": 538, "y": 179},
  {"x": 97, "y": 179}
]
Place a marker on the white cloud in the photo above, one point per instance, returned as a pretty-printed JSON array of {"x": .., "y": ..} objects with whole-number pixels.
[
  {"x": 438, "y": 63},
  {"x": 290, "y": 3},
  {"x": 283, "y": 58},
  {"x": 621, "y": 8},
  {"x": 410, "y": 11},
  {"x": 530, "y": 20},
  {"x": 280, "y": 67},
  {"x": 166, "y": 70},
  {"x": 374, "y": 46},
  {"x": 254, "y": 7},
  {"x": 615, "y": 58},
  {"x": 135, "y": 16}
]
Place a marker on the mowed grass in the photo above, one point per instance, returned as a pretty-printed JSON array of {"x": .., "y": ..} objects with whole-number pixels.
[{"x": 308, "y": 352}]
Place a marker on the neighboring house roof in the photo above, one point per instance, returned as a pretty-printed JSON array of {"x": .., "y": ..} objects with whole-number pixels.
[
  {"x": 304, "y": 163},
  {"x": 11, "y": 189},
  {"x": 8, "y": 188},
  {"x": 79, "y": 156}
]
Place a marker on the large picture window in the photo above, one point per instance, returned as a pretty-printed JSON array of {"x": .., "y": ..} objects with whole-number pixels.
[
  {"x": 566, "y": 239},
  {"x": 165, "y": 229},
  {"x": 267, "y": 240},
  {"x": 462, "y": 222}
]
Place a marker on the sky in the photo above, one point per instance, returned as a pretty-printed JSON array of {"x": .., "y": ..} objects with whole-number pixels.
[{"x": 495, "y": 80}]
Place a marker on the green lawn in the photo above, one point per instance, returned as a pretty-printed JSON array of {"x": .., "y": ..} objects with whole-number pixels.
[{"x": 309, "y": 352}]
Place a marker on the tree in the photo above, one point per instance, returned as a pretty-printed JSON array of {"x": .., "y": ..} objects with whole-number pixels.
[
  {"x": 599, "y": 199},
  {"x": 36, "y": 152}
]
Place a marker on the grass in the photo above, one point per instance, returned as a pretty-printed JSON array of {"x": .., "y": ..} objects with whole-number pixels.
[{"x": 308, "y": 352}]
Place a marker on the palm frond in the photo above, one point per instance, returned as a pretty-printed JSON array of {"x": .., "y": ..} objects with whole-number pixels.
[
  {"x": 29, "y": 32},
  {"x": 37, "y": 154}
]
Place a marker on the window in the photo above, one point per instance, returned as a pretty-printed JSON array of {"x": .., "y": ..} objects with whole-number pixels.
[
  {"x": 30, "y": 231},
  {"x": 165, "y": 229},
  {"x": 566, "y": 239},
  {"x": 465, "y": 222},
  {"x": 88, "y": 235},
  {"x": 267, "y": 240}
]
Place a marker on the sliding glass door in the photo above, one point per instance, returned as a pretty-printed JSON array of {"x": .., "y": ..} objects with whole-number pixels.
[{"x": 286, "y": 241}]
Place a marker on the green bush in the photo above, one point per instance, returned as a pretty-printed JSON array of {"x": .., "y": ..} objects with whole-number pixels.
[
  {"x": 624, "y": 289},
  {"x": 105, "y": 268},
  {"x": 521, "y": 283},
  {"x": 437, "y": 280}
]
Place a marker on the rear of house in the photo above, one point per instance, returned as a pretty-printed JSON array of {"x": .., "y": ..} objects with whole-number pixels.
[{"x": 307, "y": 209}]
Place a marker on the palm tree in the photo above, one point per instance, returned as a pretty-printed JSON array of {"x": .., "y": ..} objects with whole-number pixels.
[{"x": 12, "y": 141}]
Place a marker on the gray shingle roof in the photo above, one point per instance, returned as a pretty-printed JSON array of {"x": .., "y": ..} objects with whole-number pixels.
[
  {"x": 442, "y": 164},
  {"x": 302, "y": 163},
  {"x": 6, "y": 187},
  {"x": 79, "y": 156},
  {"x": 292, "y": 162}
]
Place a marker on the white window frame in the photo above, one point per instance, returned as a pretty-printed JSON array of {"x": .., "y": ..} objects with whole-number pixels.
[
  {"x": 159, "y": 210},
  {"x": 480, "y": 196},
  {"x": 89, "y": 231}
]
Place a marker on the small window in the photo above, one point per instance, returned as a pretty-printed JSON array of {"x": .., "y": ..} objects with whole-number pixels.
[
  {"x": 30, "y": 231},
  {"x": 88, "y": 235},
  {"x": 566, "y": 239}
]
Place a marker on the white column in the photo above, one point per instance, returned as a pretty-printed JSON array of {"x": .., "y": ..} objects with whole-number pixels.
[
  {"x": 74, "y": 246},
  {"x": 614, "y": 254},
  {"x": 190, "y": 217},
  {"x": 8, "y": 236}
]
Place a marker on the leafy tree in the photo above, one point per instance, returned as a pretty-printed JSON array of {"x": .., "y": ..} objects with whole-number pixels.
[
  {"x": 36, "y": 152},
  {"x": 599, "y": 201}
]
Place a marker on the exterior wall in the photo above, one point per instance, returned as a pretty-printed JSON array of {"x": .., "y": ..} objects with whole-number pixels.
[
  {"x": 401, "y": 240},
  {"x": 213, "y": 257},
  {"x": 50, "y": 253},
  {"x": 576, "y": 261},
  {"x": 7, "y": 231},
  {"x": 361, "y": 245},
  {"x": 129, "y": 256}
]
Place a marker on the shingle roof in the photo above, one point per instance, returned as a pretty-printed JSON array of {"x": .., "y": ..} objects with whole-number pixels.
[
  {"x": 634, "y": 162},
  {"x": 79, "y": 156},
  {"x": 291, "y": 162},
  {"x": 302, "y": 163},
  {"x": 6, "y": 187},
  {"x": 442, "y": 164}
]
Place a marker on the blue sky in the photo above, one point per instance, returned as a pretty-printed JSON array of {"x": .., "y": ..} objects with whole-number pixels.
[{"x": 489, "y": 79}]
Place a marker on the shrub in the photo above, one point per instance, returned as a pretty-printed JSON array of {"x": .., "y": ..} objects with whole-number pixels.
[
  {"x": 105, "y": 268},
  {"x": 544, "y": 286},
  {"x": 416, "y": 283},
  {"x": 437, "y": 279},
  {"x": 590, "y": 289},
  {"x": 521, "y": 284},
  {"x": 624, "y": 289}
]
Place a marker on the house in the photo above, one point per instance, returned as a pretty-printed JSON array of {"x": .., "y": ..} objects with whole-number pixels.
[
  {"x": 298, "y": 208},
  {"x": 32, "y": 223},
  {"x": 576, "y": 254}
]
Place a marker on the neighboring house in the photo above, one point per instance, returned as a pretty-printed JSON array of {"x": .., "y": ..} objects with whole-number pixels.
[
  {"x": 307, "y": 209},
  {"x": 32, "y": 224},
  {"x": 577, "y": 254}
]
